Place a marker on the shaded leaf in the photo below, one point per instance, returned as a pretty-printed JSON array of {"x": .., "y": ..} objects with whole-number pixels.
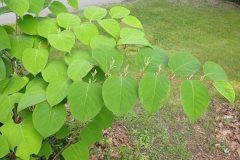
[
  {"x": 4, "y": 39},
  {"x": 57, "y": 7}
]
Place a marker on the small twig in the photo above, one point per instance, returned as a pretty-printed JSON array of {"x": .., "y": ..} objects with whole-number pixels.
[{"x": 60, "y": 152}]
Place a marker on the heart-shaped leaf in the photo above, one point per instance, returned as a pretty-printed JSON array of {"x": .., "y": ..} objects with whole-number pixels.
[
  {"x": 156, "y": 95},
  {"x": 15, "y": 84},
  {"x": 52, "y": 121},
  {"x": 57, "y": 7},
  {"x": 18, "y": 6},
  {"x": 184, "y": 64},
  {"x": 36, "y": 6},
  {"x": 73, "y": 3},
  {"x": 86, "y": 32},
  {"x": 85, "y": 100},
  {"x": 35, "y": 60},
  {"x": 28, "y": 25},
  {"x": 5, "y": 109},
  {"x": 47, "y": 26},
  {"x": 111, "y": 26},
  {"x": 214, "y": 71},
  {"x": 119, "y": 12},
  {"x": 120, "y": 94},
  {"x": 225, "y": 89},
  {"x": 68, "y": 20},
  {"x": 94, "y": 13},
  {"x": 101, "y": 40},
  {"x": 63, "y": 41},
  {"x": 194, "y": 98},
  {"x": 132, "y": 21}
]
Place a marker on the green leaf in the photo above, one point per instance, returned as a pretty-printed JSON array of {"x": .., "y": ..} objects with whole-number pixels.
[
  {"x": 5, "y": 109},
  {"x": 28, "y": 25},
  {"x": 154, "y": 91},
  {"x": 120, "y": 94},
  {"x": 18, "y": 6},
  {"x": 132, "y": 36},
  {"x": 85, "y": 100},
  {"x": 52, "y": 121},
  {"x": 47, "y": 26},
  {"x": 54, "y": 71},
  {"x": 73, "y": 3},
  {"x": 35, "y": 60},
  {"x": 214, "y": 71},
  {"x": 76, "y": 151},
  {"x": 36, "y": 6},
  {"x": 101, "y": 40},
  {"x": 184, "y": 64},
  {"x": 132, "y": 21},
  {"x": 33, "y": 96},
  {"x": 111, "y": 26},
  {"x": 86, "y": 32},
  {"x": 109, "y": 59},
  {"x": 63, "y": 41},
  {"x": 194, "y": 98},
  {"x": 104, "y": 118},
  {"x": 15, "y": 84},
  {"x": 15, "y": 98},
  {"x": 46, "y": 150},
  {"x": 23, "y": 136},
  {"x": 4, "y": 39},
  {"x": 19, "y": 43},
  {"x": 63, "y": 132},
  {"x": 119, "y": 12},
  {"x": 4, "y": 149},
  {"x": 79, "y": 69},
  {"x": 225, "y": 89},
  {"x": 57, "y": 7},
  {"x": 57, "y": 91},
  {"x": 8, "y": 67},
  {"x": 2, "y": 69},
  {"x": 68, "y": 20},
  {"x": 151, "y": 59},
  {"x": 94, "y": 13},
  {"x": 77, "y": 55},
  {"x": 37, "y": 81}
]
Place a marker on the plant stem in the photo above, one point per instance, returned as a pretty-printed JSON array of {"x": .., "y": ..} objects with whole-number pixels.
[{"x": 60, "y": 152}]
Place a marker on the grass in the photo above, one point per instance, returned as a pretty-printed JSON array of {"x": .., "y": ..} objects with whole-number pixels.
[{"x": 210, "y": 33}]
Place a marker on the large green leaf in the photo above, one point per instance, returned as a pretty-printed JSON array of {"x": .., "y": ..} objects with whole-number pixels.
[
  {"x": 15, "y": 84},
  {"x": 73, "y": 3},
  {"x": 57, "y": 91},
  {"x": 111, "y": 26},
  {"x": 120, "y": 94},
  {"x": 184, "y": 64},
  {"x": 76, "y": 151},
  {"x": 24, "y": 136},
  {"x": 35, "y": 60},
  {"x": 119, "y": 12},
  {"x": 79, "y": 69},
  {"x": 68, "y": 20},
  {"x": 63, "y": 41},
  {"x": 19, "y": 43},
  {"x": 54, "y": 71},
  {"x": 37, "y": 81},
  {"x": 63, "y": 132},
  {"x": 2, "y": 69},
  {"x": 94, "y": 13},
  {"x": 52, "y": 121},
  {"x": 36, "y": 6},
  {"x": 154, "y": 91},
  {"x": 4, "y": 149},
  {"x": 132, "y": 36},
  {"x": 86, "y": 32},
  {"x": 101, "y": 40},
  {"x": 85, "y": 100},
  {"x": 214, "y": 71},
  {"x": 18, "y": 6},
  {"x": 77, "y": 55},
  {"x": 47, "y": 26},
  {"x": 225, "y": 89},
  {"x": 109, "y": 59},
  {"x": 28, "y": 25},
  {"x": 57, "y": 7},
  {"x": 132, "y": 21},
  {"x": 5, "y": 109},
  {"x": 32, "y": 96},
  {"x": 151, "y": 59},
  {"x": 194, "y": 98},
  {"x": 4, "y": 39}
]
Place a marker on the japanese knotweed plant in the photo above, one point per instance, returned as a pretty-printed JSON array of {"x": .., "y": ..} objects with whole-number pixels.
[{"x": 54, "y": 70}]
